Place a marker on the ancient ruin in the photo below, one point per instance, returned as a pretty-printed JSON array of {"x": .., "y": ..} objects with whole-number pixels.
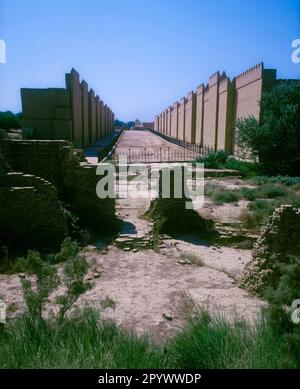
[{"x": 278, "y": 243}]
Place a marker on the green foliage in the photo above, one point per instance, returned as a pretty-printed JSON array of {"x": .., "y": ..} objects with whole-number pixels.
[
  {"x": 9, "y": 120},
  {"x": 46, "y": 279},
  {"x": 84, "y": 341},
  {"x": 275, "y": 140},
  {"x": 287, "y": 288},
  {"x": 284, "y": 180},
  {"x": 42, "y": 279},
  {"x": 223, "y": 160},
  {"x": 214, "y": 342},
  {"x": 120, "y": 123},
  {"x": 264, "y": 200},
  {"x": 265, "y": 191},
  {"x": 221, "y": 196},
  {"x": 216, "y": 160},
  {"x": 81, "y": 341},
  {"x": 108, "y": 302}
]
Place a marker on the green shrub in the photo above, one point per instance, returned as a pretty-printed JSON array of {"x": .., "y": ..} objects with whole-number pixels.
[
  {"x": 285, "y": 180},
  {"x": 47, "y": 280},
  {"x": 221, "y": 196},
  {"x": 214, "y": 160},
  {"x": 287, "y": 287},
  {"x": 275, "y": 138},
  {"x": 81, "y": 341},
  {"x": 213, "y": 342}
]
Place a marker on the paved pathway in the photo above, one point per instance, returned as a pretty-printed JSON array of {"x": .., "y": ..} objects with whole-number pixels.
[{"x": 144, "y": 146}]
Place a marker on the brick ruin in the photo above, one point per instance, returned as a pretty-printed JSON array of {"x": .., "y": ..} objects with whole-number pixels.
[
  {"x": 278, "y": 243},
  {"x": 41, "y": 181},
  {"x": 73, "y": 113},
  {"x": 206, "y": 116}
]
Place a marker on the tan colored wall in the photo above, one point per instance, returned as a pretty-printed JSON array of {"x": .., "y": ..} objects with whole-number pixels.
[
  {"x": 73, "y": 84},
  {"x": 181, "y": 118},
  {"x": 92, "y": 116},
  {"x": 225, "y": 114},
  {"x": 199, "y": 115},
  {"x": 190, "y": 118},
  {"x": 98, "y": 118},
  {"x": 156, "y": 124},
  {"x": 166, "y": 121},
  {"x": 85, "y": 113},
  {"x": 211, "y": 111},
  {"x": 63, "y": 113},
  {"x": 102, "y": 119},
  {"x": 47, "y": 112},
  {"x": 174, "y": 120},
  {"x": 248, "y": 92},
  {"x": 209, "y": 122}
]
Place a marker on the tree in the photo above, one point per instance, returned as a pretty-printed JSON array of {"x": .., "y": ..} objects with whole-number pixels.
[
  {"x": 9, "y": 120},
  {"x": 275, "y": 138}
]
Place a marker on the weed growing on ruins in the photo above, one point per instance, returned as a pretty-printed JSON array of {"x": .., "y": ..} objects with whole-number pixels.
[
  {"x": 108, "y": 302},
  {"x": 42, "y": 279}
]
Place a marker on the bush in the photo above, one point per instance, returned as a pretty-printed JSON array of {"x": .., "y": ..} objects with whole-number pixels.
[
  {"x": 275, "y": 140},
  {"x": 82, "y": 341},
  {"x": 223, "y": 160},
  {"x": 221, "y": 196},
  {"x": 216, "y": 160},
  {"x": 215, "y": 343},
  {"x": 47, "y": 280}
]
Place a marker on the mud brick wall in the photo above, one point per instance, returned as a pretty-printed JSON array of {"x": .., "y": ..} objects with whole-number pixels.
[
  {"x": 42, "y": 158},
  {"x": 174, "y": 120},
  {"x": 277, "y": 243},
  {"x": 33, "y": 216},
  {"x": 181, "y": 118},
  {"x": 54, "y": 166},
  {"x": 190, "y": 118},
  {"x": 207, "y": 116}
]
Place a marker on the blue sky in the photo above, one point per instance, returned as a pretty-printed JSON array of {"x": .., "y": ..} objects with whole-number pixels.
[{"x": 141, "y": 55}]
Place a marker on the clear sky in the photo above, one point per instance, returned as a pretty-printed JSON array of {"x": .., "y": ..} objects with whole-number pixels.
[{"x": 141, "y": 55}]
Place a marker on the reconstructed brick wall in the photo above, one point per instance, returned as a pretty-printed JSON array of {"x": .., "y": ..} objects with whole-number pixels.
[
  {"x": 74, "y": 86},
  {"x": 92, "y": 116},
  {"x": 174, "y": 120},
  {"x": 70, "y": 114},
  {"x": 218, "y": 105},
  {"x": 199, "y": 115},
  {"x": 190, "y": 118},
  {"x": 181, "y": 118},
  {"x": 85, "y": 113},
  {"x": 225, "y": 114},
  {"x": 169, "y": 120}
]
